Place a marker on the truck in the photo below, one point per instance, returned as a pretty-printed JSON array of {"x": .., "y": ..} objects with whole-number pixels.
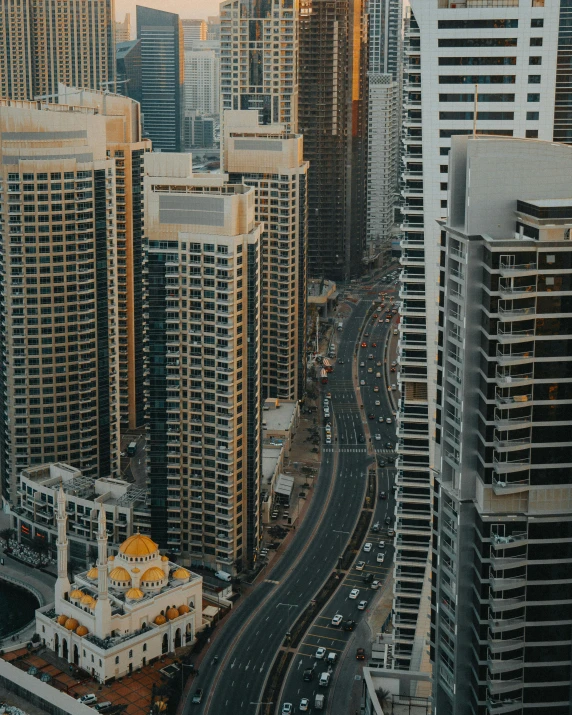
[
  {"x": 324, "y": 377},
  {"x": 319, "y": 701},
  {"x": 132, "y": 448}
]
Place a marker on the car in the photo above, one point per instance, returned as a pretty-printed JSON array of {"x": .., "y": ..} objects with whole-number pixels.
[
  {"x": 367, "y": 577},
  {"x": 340, "y": 361},
  {"x": 308, "y": 674},
  {"x": 392, "y": 369},
  {"x": 361, "y": 439},
  {"x": 375, "y": 585},
  {"x": 329, "y": 395},
  {"x": 103, "y": 707},
  {"x": 395, "y": 331},
  {"x": 388, "y": 420},
  {"x": 197, "y": 696},
  {"x": 378, "y": 438},
  {"x": 349, "y": 625},
  {"x": 360, "y": 653},
  {"x": 286, "y": 708},
  {"x": 364, "y": 345},
  {"x": 387, "y": 320},
  {"x": 366, "y": 335},
  {"x": 362, "y": 382},
  {"x": 360, "y": 565},
  {"x": 380, "y": 557},
  {"x": 383, "y": 495},
  {"x": 320, "y": 653},
  {"x": 362, "y": 605},
  {"x": 337, "y": 620},
  {"x": 362, "y": 364},
  {"x": 389, "y": 445},
  {"x": 324, "y": 680},
  {"x": 304, "y": 704},
  {"x": 354, "y": 593},
  {"x": 374, "y": 345},
  {"x": 377, "y": 375},
  {"x": 367, "y": 546},
  {"x": 370, "y": 356},
  {"x": 375, "y": 316},
  {"x": 88, "y": 699},
  {"x": 380, "y": 419},
  {"x": 378, "y": 403},
  {"x": 332, "y": 657},
  {"x": 388, "y": 520},
  {"x": 376, "y": 388},
  {"x": 381, "y": 545},
  {"x": 391, "y": 532},
  {"x": 370, "y": 369},
  {"x": 328, "y": 440},
  {"x": 394, "y": 363},
  {"x": 376, "y": 526},
  {"x": 371, "y": 416},
  {"x": 394, "y": 386},
  {"x": 378, "y": 363},
  {"x": 381, "y": 462}
]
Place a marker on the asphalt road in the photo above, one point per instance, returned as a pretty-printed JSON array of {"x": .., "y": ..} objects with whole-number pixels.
[
  {"x": 322, "y": 633},
  {"x": 249, "y": 641}
]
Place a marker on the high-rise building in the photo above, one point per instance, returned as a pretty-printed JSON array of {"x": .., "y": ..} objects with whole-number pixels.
[
  {"x": 125, "y": 144},
  {"x": 213, "y": 28},
  {"x": 385, "y": 37},
  {"x": 271, "y": 159},
  {"x": 202, "y": 81},
  {"x": 333, "y": 119},
  {"x": 59, "y": 336},
  {"x": 510, "y": 53},
  {"x": 261, "y": 72},
  {"x": 43, "y": 43},
  {"x": 128, "y": 67},
  {"x": 194, "y": 31},
  {"x": 198, "y": 130},
  {"x": 162, "y": 77},
  {"x": 503, "y": 516},
  {"x": 123, "y": 29},
  {"x": 204, "y": 415}
]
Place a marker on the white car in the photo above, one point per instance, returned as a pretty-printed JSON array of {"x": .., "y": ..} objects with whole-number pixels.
[
  {"x": 380, "y": 557},
  {"x": 337, "y": 620},
  {"x": 378, "y": 438},
  {"x": 362, "y": 364},
  {"x": 89, "y": 699},
  {"x": 388, "y": 420},
  {"x": 367, "y": 546},
  {"x": 370, "y": 369},
  {"x": 354, "y": 593},
  {"x": 362, "y": 382},
  {"x": 328, "y": 440},
  {"x": 286, "y": 708},
  {"x": 378, "y": 403},
  {"x": 304, "y": 704},
  {"x": 320, "y": 653},
  {"x": 375, "y": 585},
  {"x": 360, "y": 565},
  {"x": 381, "y": 545},
  {"x": 362, "y": 605}
]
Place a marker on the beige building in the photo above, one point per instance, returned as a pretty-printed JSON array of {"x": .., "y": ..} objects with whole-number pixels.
[
  {"x": 125, "y": 144},
  {"x": 123, "y": 29},
  {"x": 194, "y": 31},
  {"x": 58, "y": 298},
  {"x": 270, "y": 159},
  {"x": 204, "y": 262},
  {"x": 43, "y": 43}
]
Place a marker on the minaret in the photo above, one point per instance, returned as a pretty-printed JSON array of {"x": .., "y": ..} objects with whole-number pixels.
[
  {"x": 62, "y": 584},
  {"x": 103, "y": 606}
]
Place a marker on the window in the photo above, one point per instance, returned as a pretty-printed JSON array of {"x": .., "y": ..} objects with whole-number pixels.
[
  {"x": 532, "y": 97},
  {"x": 144, "y": 647},
  {"x": 537, "y": 22},
  {"x": 131, "y": 654},
  {"x": 444, "y": 186},
  {"x": 536, "y": 41},
  {"x": 533, "y": 79},
  {"x": 532, "y": 133},
  {"x": 532, "y": 115},
  {"x": 472, "y": 61},
  {"x": 477, "y": 24},
  {"x": 535, "y": 60},
  {"x": 478, "y": 42}
]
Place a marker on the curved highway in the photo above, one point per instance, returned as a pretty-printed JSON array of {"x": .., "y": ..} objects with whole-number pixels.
[{"x": 250, "y": 639}]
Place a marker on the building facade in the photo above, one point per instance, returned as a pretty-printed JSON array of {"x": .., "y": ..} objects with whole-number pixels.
[
  {"x": 44, "y": 43},
  {"x": 194, "y": 31},
  {"x": 204, "y": 276},
  {"x": 162, "y": 77},
  {"x": 123, "y": 29},
  {"x": 128, "y": 68},
  {"x": 271, "y": 159},
  {"x": 202, "y": 81},
  {"x": 510, "y": 53},
  {"x": 59, "y": 339},
  {"x": 259, "y": 59},
  {"x": 333, "y": 119},
  {"x": 125, "y": 612},
  {"x": 503, "y": 518}
]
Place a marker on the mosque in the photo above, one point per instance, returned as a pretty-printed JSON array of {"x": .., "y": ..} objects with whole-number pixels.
[{"x": 124, "y": 612}]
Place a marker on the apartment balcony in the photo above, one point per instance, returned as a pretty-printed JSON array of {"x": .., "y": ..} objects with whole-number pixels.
[
  {"x": 500, "y": 583},
  {"x": 500, "y": 562},
  {"x": 505, "y": 645},
  {"x": 504, "y": 422},
  {"x": 511, "y": 445},
  {"x": 513, "y": 357},
  {"x": 498, "y": 705},
  {"x": 498, "y": 686},
  {"x": 506, "y": 486},
  {"x": 498, "y": 603},
  {"x": 508, "y": 290},
  {"x": 515, "y": 312},
  {"x": 504, "y": 376},
  {"x": 510, "y": 269},
  {"x": 505, "y": 336},
  {"x": 413, "y": 310},
  {"x": 500, "y": 541},
  {"x": 406, "y": 479},
  {"x": 506, "y": 624}
]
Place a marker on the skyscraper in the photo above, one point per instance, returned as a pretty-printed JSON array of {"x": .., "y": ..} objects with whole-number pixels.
[
  {"x": 269, "y": 158},
  {"x": 202, "y": 81},
  {"x": 43, "y": 43},
  {"x": 194, "y": 31},
  {"x": 512, "y": 58},
  {"x": 59, "y": 337},
  {"x": 503, "y": 526},
  {"x": 128, "y": 67},
  {"x": 162, "y": 77},
  {"x": 333, "y": 120},
  {"x": 203, "y": 356},
  {"x": 261, "y": 72},
  {"x": 125, "y": 144},
  {"x": 123, "y": 29}
]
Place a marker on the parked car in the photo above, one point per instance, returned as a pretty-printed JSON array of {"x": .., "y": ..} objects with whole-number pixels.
[{"x": 88, "y": 699}]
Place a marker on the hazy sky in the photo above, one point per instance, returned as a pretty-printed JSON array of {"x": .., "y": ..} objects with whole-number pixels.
[{"x": 187, "y": 9}]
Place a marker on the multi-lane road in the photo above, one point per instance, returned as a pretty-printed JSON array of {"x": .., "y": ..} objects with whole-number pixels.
[
  {"x": 322, "y": 633},
  {"x": 250, "y": 639}
]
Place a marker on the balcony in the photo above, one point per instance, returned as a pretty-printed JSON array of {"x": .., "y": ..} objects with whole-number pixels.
[
  {"x": 498, "y": 686},
  {"x": 507, "y": 445},
  {"x": 499, "y": 645},
  {"x": 506, "y": 624},
  {"x": 508, "y": 269},
  {"x": 503, "y": 487},
  {"x": 508, "y": 466},
  {"x": 504, "y": 422},
  {"x": 497, "y": 706},
  {"x": 507, "y": 289},
  {"x": 504, "y": 376},
  {"x": 513, "y": 357},
  {"x": 513, "y": 336},
  {"x": 508, "y": 313}
]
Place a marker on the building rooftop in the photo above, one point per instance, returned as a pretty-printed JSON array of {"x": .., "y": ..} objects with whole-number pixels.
[
  {"x": 278, "y": 417},
  {"x": 270, "y": 459}
]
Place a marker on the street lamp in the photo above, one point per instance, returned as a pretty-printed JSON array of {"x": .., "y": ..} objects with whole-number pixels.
[{"x": 335, "y": 531}]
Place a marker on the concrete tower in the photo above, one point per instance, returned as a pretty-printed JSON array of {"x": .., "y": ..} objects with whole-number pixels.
[
  {"x": 62, "y": 583},
  {"x": 103, "y": 606}
]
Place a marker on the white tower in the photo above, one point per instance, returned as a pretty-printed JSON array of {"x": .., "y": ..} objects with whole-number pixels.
[
  {"x": 62, "y": 583},
  {"x": 103, "y": 606}
]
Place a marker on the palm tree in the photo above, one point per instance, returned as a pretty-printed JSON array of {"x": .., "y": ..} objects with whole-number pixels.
[
  {"x": 384, "y": 699},
  {"x": 7, "y": 534}
]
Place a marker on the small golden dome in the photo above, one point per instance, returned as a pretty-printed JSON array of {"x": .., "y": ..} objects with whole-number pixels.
[
  {"x": 183, "y": 609},
  {"x": 181, "y": 574},
  {"x": 135, "y": 570},
  {"x": 92, "y": 574},
  {"x": 172, "y": 613},
  {"x": 62, "y": 620},
  {"x": 111, "y": 558},
  {"x": 164, "y": 558},
  {"x": 71, "y": 624},
  {"x": 88, "y": 601},
  {"x": 138, "y": 545},
  {"x": 134, "y": 594},
  {"x": 77, "y": 593},
  {"x": 119, "y": 574},
  {"x": 160, "y": 620},
  {"x": 153, "y": 574},
  {"x": 81, "y": 631}
]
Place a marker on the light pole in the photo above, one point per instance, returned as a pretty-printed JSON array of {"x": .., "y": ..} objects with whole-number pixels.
[{"x": 335, "y": 531}]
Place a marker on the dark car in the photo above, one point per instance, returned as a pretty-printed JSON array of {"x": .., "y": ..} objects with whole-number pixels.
[
  {"x": 349, "y": 625},
  {"x": 368, "y": 578},
  {"x": 388, "y": 520},
  {"x": 308, "y": 674},
  {"x": 197, "y": 696},
  {"x": 389, "y": 445},
  {"x": 361, "y": 439},
  {"x": 383, "y": 495},
  {"x": 360, "y": 654},
  {"x": 381, "y": 462},
  {"x": 371, "y": 416}
]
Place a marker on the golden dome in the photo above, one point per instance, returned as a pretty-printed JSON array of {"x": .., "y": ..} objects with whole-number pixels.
[
  {"x": 88, "y": 601},
  {"x": 135, "y": 594},
  {"x": 71, "y": 624},
  {"x": 119, "y": 574},
  {"x": 181, "y": 574},
  {"x": 172, "y": 613},
  {"x": 183, "y": 609},
  {"x": 62, "y": 620},
  {"x": 92, "y": 574},
  {"x": 138, "y": 545},
  {"x": 81, "y": 631},
  {"x": 135, "y": 570},
  {"x": 76, "y": 593},
  {"x": 160, "y": 620},
  {"x": 164, "y": 558},
  {"x": 153, "y": 574}
]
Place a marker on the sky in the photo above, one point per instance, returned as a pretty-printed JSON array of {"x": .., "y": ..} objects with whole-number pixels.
[{"x": 187, "y": 9}]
